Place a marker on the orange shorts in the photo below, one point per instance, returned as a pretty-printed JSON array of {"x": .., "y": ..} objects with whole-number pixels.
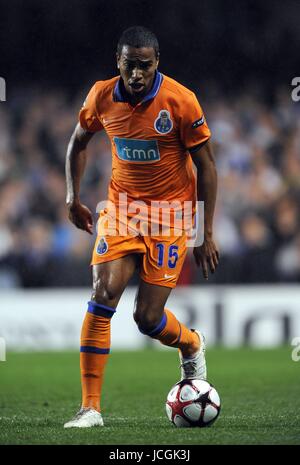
[{"x": 162, "y": 256}]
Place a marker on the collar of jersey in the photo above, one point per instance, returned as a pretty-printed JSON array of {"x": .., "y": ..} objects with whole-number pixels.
[{"x": 119, "y": 96}]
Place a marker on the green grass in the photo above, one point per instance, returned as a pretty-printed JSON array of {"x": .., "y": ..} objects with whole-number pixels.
[{"x": 259, "y": 389}]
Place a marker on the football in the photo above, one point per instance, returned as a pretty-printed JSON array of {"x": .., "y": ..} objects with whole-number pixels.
[{"x": 193, "y": 402}]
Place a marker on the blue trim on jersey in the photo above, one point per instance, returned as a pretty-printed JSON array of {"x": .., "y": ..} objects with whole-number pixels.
[
  {"x": 154, "y": 332},
  {"x": 100, "y": 310},
  {"x": 94, "y": 350},
  {"x": 118, "y": 97},
  {"x": 155, "y": 88},
  {"x": 119, "y": 94}
]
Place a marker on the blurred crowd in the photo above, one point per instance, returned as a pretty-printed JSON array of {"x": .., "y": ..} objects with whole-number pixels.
[{"x": 257, "y": 227}]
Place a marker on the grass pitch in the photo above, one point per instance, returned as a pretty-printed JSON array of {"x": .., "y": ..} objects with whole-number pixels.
[{"x": 259, "y": 390}]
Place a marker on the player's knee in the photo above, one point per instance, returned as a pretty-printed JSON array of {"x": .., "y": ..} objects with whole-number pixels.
[
  {"x": 147, "y": 321},
  {"x": 105, "y": 293}
]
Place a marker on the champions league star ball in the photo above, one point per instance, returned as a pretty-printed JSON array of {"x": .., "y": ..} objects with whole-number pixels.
[{"x": 193, "y": 402}]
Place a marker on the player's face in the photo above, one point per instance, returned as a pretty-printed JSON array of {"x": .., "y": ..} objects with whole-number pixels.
[{"x": 137, "y": 68}]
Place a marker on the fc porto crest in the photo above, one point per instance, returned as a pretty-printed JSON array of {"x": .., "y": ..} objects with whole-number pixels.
[
  {"x": 163, "y": 123},
  {"x": 102, "y": 246}
]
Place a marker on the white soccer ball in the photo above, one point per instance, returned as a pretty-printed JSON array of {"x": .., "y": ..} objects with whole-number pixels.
[{"x": 193, "y": 402}]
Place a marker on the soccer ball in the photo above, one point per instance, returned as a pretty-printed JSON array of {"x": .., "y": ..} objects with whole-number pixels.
[{"x": 193, "y": 402}]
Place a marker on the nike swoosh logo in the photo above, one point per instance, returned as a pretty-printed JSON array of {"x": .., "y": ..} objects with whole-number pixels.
[{"x": 170, "y": 276}]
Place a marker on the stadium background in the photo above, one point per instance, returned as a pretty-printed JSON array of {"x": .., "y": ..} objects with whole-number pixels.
[{"x": 240, "y": 59}]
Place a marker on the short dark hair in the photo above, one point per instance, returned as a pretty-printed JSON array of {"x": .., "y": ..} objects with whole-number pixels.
[{"x": 138, "y": 36}]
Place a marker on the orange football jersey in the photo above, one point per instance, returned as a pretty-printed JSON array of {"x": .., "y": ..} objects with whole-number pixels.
[{"x": 151, "y": 141}]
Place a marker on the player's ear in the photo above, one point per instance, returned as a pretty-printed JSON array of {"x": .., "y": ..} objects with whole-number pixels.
[
  {"x": 157, "y": 60},
  {"x": 118, "y": 60}
]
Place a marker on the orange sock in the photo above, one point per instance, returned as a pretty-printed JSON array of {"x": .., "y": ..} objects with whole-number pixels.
[
  {"x": 94, "y": 351},
  {"x": 172, "y": 333}
]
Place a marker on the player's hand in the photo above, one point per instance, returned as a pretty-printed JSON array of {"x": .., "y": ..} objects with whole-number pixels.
[
  {"x": 207, "y": 255},
  {"x": 81, "y": 216}
]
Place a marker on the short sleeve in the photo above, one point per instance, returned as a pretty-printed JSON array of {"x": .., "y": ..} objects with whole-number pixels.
[
  {"x": 88, "y": 115},
  {"x": 193, "y": 128}
]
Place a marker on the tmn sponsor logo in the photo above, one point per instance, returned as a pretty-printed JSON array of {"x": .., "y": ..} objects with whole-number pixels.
[
  {"x": 136, "y": 150},
  {"x": 159, "y": 218}
]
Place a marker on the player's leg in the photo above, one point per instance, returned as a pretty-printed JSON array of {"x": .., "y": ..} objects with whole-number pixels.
[
  {"x": 109, "y": 281},
  {"x": 156, "y": 321},
  {"x": 162, "y": 265}
]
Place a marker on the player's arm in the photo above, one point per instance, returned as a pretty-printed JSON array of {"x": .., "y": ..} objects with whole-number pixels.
[
  {"x": 206, "y": 255},
  {"x": 79, "y": 214}
]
